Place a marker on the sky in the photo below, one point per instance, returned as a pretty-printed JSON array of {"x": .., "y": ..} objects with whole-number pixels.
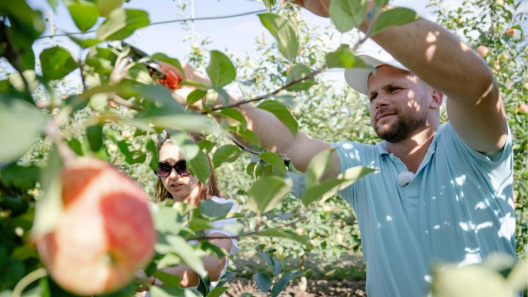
[{"x": 236, "y": 34}]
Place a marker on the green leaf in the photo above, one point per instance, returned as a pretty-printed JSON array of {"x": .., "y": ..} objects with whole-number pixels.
[
  {"x": 205, "y": 145},
  {"x": 319, "y": 165},
  {"x": 277, "y": 267},
  {"x": 227, "y": 153},
  {"x": 15, "y": 79},
  {"x": 76, "y": 146},
  {"x": 168, "y": 280},
  {"x": 474, "y": 280},
  {"x": 284, "y": 33},
  {"x": 195, "y": 96},
  {"x": 282, "y": 113},
  {"x": 220, "y": 70},
  {"x": 266, "y": 193},
  {"x": 56, "y": 63},
  {"x": 297, "y": 72},
  {"x": 198, "y": 224},
  {"x": 167, "y": 220},
  {"x": 107, "y": 6},
  {"x": 186, "y": 122},
  {"x": 272, "y": 232},
  {"x": 181, "y": 248},
  {"x": 16, "y": 205},
  {"x": 121, "y": 23},
  {"x": 225, "y": 279},
  {"x": 212, "y": 210},
  {"x": 347, "y": 14},
  {"x": 217, "y": 292},
  {"x": 84, "y": 43},
  {"x": 20, "y": 126},
  {"x": 164, "y": 58},
  {"x": 236, "y": 115},
  {"x": 283, "y": 282},
  {"x": 123, "y": 148},
  {"x": 156, "y": 291},
  {"x": 269, "y": 4},
  {"x": 152, "y": 149},
  {"x": 95, "y": 137},
  {"x": 204, "y": 285},
  {"x": 275, "y": 161},
  {"x": 98, "y": 102},
  {"x": 83, "y": 13},
  {"x": 53, "y": 4},
  {"x": 22, "y": 177},
  {"x": 249, "y": 136},
  {"x": 218, "y": 91},
  {"x": 343, "y": 57},
  {"x": 394, "y": 17},
  {"x": 263, "y": 281},
  {"x": 268, "y": 259},
  {"x": 188, "y": 148},
  {"x": 381, "y": 3},
  {"x": 519, "y": 275},
  {"x": 49, "y": 208},
  {"x": 237, "y": 229},
  {"x": 330, "y": 186},
  {"x": 199, "y": 166}
]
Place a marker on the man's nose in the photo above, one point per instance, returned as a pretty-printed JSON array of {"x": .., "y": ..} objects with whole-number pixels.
[{"x": 381, "y": 100}]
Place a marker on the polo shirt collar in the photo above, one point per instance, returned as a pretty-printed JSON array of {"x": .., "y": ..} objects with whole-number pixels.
[{"x": 382, "y": 146}]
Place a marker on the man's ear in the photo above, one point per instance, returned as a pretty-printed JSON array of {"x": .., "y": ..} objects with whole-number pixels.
[{"x": 437, "y": 98}]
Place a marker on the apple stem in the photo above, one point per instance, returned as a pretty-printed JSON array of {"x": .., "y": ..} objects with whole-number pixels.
[
  {"x": 27, "y": 280},
  {"x": 52, "y": 131}
]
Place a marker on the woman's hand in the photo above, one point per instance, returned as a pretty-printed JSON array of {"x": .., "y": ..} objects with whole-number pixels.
[
  {"x": 318, "y": 7},
  {"x": 190, "y": 74}
]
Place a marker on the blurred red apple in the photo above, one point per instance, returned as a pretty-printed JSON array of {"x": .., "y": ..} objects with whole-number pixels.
[
  {"x": 523, "y": 107},
  {"x": 483, "y": 50},
  {"x": 104, "y": 234},
  {"x": 511, "y": 32}
]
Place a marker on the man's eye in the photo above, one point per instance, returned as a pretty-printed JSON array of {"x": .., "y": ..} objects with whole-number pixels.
[
  {"x": 394, "y": 89},
  {"x": 372, "y": 97}
]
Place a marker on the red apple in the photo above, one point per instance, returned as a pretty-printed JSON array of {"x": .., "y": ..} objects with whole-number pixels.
[
  {"x": 511, "y": 32},
  {"x": 104, "y": 234},
  {"x": 483, "y": 50},
  {"x": 523, "y": 107}
]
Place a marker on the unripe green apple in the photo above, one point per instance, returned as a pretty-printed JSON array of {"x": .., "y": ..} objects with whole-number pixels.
[{"x": 104, "y": 234}]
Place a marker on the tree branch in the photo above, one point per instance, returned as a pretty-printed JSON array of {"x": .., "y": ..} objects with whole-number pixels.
[
  {"x": 248, "y": 233},
  {"x": 266, "y": 96}
]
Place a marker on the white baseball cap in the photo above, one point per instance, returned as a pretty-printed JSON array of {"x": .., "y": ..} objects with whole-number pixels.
[{"x": 357, "y": 78}]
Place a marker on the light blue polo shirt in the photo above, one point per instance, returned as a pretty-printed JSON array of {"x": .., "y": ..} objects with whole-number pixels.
[{"x": 458, "y": 208}]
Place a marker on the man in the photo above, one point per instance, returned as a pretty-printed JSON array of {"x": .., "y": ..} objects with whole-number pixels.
[{"x": 441, "y": 192}]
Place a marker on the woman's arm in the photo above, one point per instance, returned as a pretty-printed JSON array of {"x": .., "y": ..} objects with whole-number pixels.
[{"x": 212, "y": 264}]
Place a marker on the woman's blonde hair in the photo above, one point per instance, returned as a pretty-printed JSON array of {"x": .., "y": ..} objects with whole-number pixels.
[{"x": 211, "y": 189}]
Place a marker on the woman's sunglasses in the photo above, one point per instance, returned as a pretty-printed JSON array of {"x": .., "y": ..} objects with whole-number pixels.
[{"x": 165, "y": 168}]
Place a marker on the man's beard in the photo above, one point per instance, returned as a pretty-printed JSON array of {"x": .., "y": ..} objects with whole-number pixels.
[{"x": 403, "y": 128}]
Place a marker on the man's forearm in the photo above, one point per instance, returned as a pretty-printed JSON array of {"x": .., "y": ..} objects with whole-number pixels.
[{"x": 439, "y": 58}]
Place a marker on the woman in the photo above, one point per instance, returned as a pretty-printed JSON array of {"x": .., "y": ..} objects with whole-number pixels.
[{"x": 175, "y": 182}]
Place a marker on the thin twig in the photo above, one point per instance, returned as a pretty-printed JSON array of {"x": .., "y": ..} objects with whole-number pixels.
[
  {"x": 169, "y": 21},
  {"x": 248, "y": 233},
  {"x": 113, "y": 97},
  {"x": 266, "y": 96},
  {"x": 242, "y": 146}
]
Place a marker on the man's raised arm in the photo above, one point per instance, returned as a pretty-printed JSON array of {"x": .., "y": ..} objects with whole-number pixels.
[
  {"x": 443, "y": 61},
  {"x": 272, "y": 134}
]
